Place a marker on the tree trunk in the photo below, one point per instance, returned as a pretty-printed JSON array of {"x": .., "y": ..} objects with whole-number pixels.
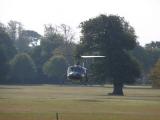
[{"x": 118, "y": 89}]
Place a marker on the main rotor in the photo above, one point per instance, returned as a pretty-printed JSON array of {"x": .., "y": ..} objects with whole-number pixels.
[{"x": 93, "y": 56}]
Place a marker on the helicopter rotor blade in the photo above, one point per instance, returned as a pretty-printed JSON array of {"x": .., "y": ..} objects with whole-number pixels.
[{"x": 93, "y": 56}]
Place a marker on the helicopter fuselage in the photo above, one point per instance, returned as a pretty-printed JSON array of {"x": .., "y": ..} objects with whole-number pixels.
[{"x": 76, "y": 72}]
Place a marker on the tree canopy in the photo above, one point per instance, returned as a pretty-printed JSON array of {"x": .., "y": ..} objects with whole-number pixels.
[
  {"x": 113, "y": 37},
  {"x": 23, "y": 69}
]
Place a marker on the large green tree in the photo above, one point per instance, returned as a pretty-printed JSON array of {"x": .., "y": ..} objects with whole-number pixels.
[
  {"x": 113, "y": 37},
  {"x": 23, "y": 69},
  {"x": 7, "y": 51},
  {"x": 55, "y": 67}
]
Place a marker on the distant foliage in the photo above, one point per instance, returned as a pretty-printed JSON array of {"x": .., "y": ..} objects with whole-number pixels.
[
  {"x": 55, "y": 67},
  {"x": 23, "y": 69},
  {"x": 153, "y": 45},
  {"x": 24, "y": 40},
  {"x": 33, "y": 51},
  {"x": 155, "y": 75},
  {"x": 147, "y": 56}
]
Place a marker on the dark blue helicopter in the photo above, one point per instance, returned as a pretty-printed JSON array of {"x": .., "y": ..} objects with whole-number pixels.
[{"x": 78, "y": 72}]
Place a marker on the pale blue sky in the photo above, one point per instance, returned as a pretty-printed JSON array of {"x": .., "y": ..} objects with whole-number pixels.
[{"x": 143, "y": 15}]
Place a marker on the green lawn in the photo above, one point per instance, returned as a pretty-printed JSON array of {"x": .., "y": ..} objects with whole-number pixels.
[{"x": 78, "y": 103}]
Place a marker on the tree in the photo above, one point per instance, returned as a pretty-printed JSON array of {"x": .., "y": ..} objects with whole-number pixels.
[
  {"x": 27, "y": 39},
  {"x": 153, "y": 51},
  {"x": 2, "y": 26},
  {"x": 39, "y": 60},
  {"x": 24, "y": 40},
  {"x": 97, "y": 74},
  {"x": 7, "y": 44},
  {"x": 67, "y": 32},
  {"x": 32, "y": 37},
  {"x": 51, "y": 40},
  {"x": 69, "y": 45},
  {"x": 14, "y": 30},
  {"x": 4, "y": 65},
  {"x": 55, "y": 67},
  {"x": 155, "y": 75},
  {"x": 23, "y": 69},
  {"x": 7, "y": 51},
  {"x": 153, "y": 45},
  {"x": 142, "y": 56},
  {"x": 113, "y": 37},
  {"x": 51, "y": 44}
]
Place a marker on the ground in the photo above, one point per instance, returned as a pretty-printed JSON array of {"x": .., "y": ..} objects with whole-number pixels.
[{"x": 42, "y": 102}]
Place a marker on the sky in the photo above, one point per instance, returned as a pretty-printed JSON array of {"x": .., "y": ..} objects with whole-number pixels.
[{"x": 143, "y": 15}]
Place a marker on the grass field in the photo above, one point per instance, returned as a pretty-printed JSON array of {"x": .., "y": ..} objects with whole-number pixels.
[{"x": 78, "y": 103}]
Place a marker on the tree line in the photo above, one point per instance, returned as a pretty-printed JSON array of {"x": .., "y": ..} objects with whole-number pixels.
[{"x": 28, "y": 57}]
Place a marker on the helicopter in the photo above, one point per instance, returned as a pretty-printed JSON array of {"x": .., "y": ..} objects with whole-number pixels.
[{"x": 78, "y": 72}]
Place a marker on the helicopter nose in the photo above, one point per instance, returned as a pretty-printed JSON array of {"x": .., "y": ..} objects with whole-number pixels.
[{"x": 75, "y": 75}]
